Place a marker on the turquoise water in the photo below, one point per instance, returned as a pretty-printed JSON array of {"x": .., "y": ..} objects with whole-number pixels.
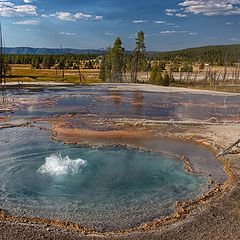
[{"x": 101, "y": 188}]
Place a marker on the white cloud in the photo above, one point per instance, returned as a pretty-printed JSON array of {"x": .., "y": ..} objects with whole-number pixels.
[
  {"x": 139, "y": 21},
  {"x": 211, "y": 7},
  {"x": 27, "y": 1},
  {"x": 67, "y": 16},
  {"x": 229, "y": 23},
  {"x": 175, "y": 12},
  {"x": 167, "y": 32},
  {"x": 109, "y": 33},
  {"x": 68, "y": 33},
  {"x": 206, "y": 7},
  {"x": 159, "y": 22},
  {"x": 27, "y": 22},
  {"x": 9, "y": 9},
  {"x": 181, "y": 15},
  {"x": 170, "y": 10},
  {"x": 48, "y": 15},
  {"x": 99, "y": 18},
  {"x": 193, "y": 33},
  {"x": 166, "y": 23}
]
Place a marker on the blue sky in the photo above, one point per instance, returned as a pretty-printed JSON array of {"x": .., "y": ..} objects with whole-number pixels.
[{"x": 82, "y": 24}]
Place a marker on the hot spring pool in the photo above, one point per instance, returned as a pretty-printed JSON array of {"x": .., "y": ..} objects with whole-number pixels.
[{"x": 100, "y": 188}]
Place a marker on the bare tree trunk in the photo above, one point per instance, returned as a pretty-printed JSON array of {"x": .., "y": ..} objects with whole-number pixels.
[
  {"x": 195, "y": 78},
  {"x": 63, "y": 73},
  {"x": 81, "y": 76},
  {"x": 207, "y": 76},
  {"x": 134, "y": 68},
  {"x": 233, "y": 149},
  {"x": 214, "y": 77},
  {"x": 218, "y": 80},
  {"x": 225, "y": 70},
  {"x": 236, "y": 77}
]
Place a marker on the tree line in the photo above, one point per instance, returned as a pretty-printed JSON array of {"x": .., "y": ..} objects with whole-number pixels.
[
  {"x": 213, "y": 55},
  {"x": 88, "y": 61}
]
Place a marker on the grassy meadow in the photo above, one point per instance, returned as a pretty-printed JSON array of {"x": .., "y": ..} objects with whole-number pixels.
[{"x": 25, "y": 73}]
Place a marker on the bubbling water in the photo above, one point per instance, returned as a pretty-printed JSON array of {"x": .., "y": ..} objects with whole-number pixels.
[{"x": 56, "y": 165}]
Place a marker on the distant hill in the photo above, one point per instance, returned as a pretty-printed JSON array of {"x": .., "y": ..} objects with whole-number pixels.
[
  {"x": 210, "y": 47},
  {"x": 50, "y": 51},
  {"x": 219, "y": 54}
]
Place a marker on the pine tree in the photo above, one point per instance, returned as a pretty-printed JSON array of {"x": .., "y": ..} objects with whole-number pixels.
[
  {"x": 46, "y": 62},
  {"x": 102, "y": 73},
  {"x": 62, "y": 66},
  {"x": 157, "y": 77},
  {"x": 35, "y": 62},
  {"x": 166, "y": 79},
  {"x": 112, "y": 66},
  {"x": 117, "y": 60},
  {"x": 186, "y": 68},
  {"x": 138, "y": 55}
]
